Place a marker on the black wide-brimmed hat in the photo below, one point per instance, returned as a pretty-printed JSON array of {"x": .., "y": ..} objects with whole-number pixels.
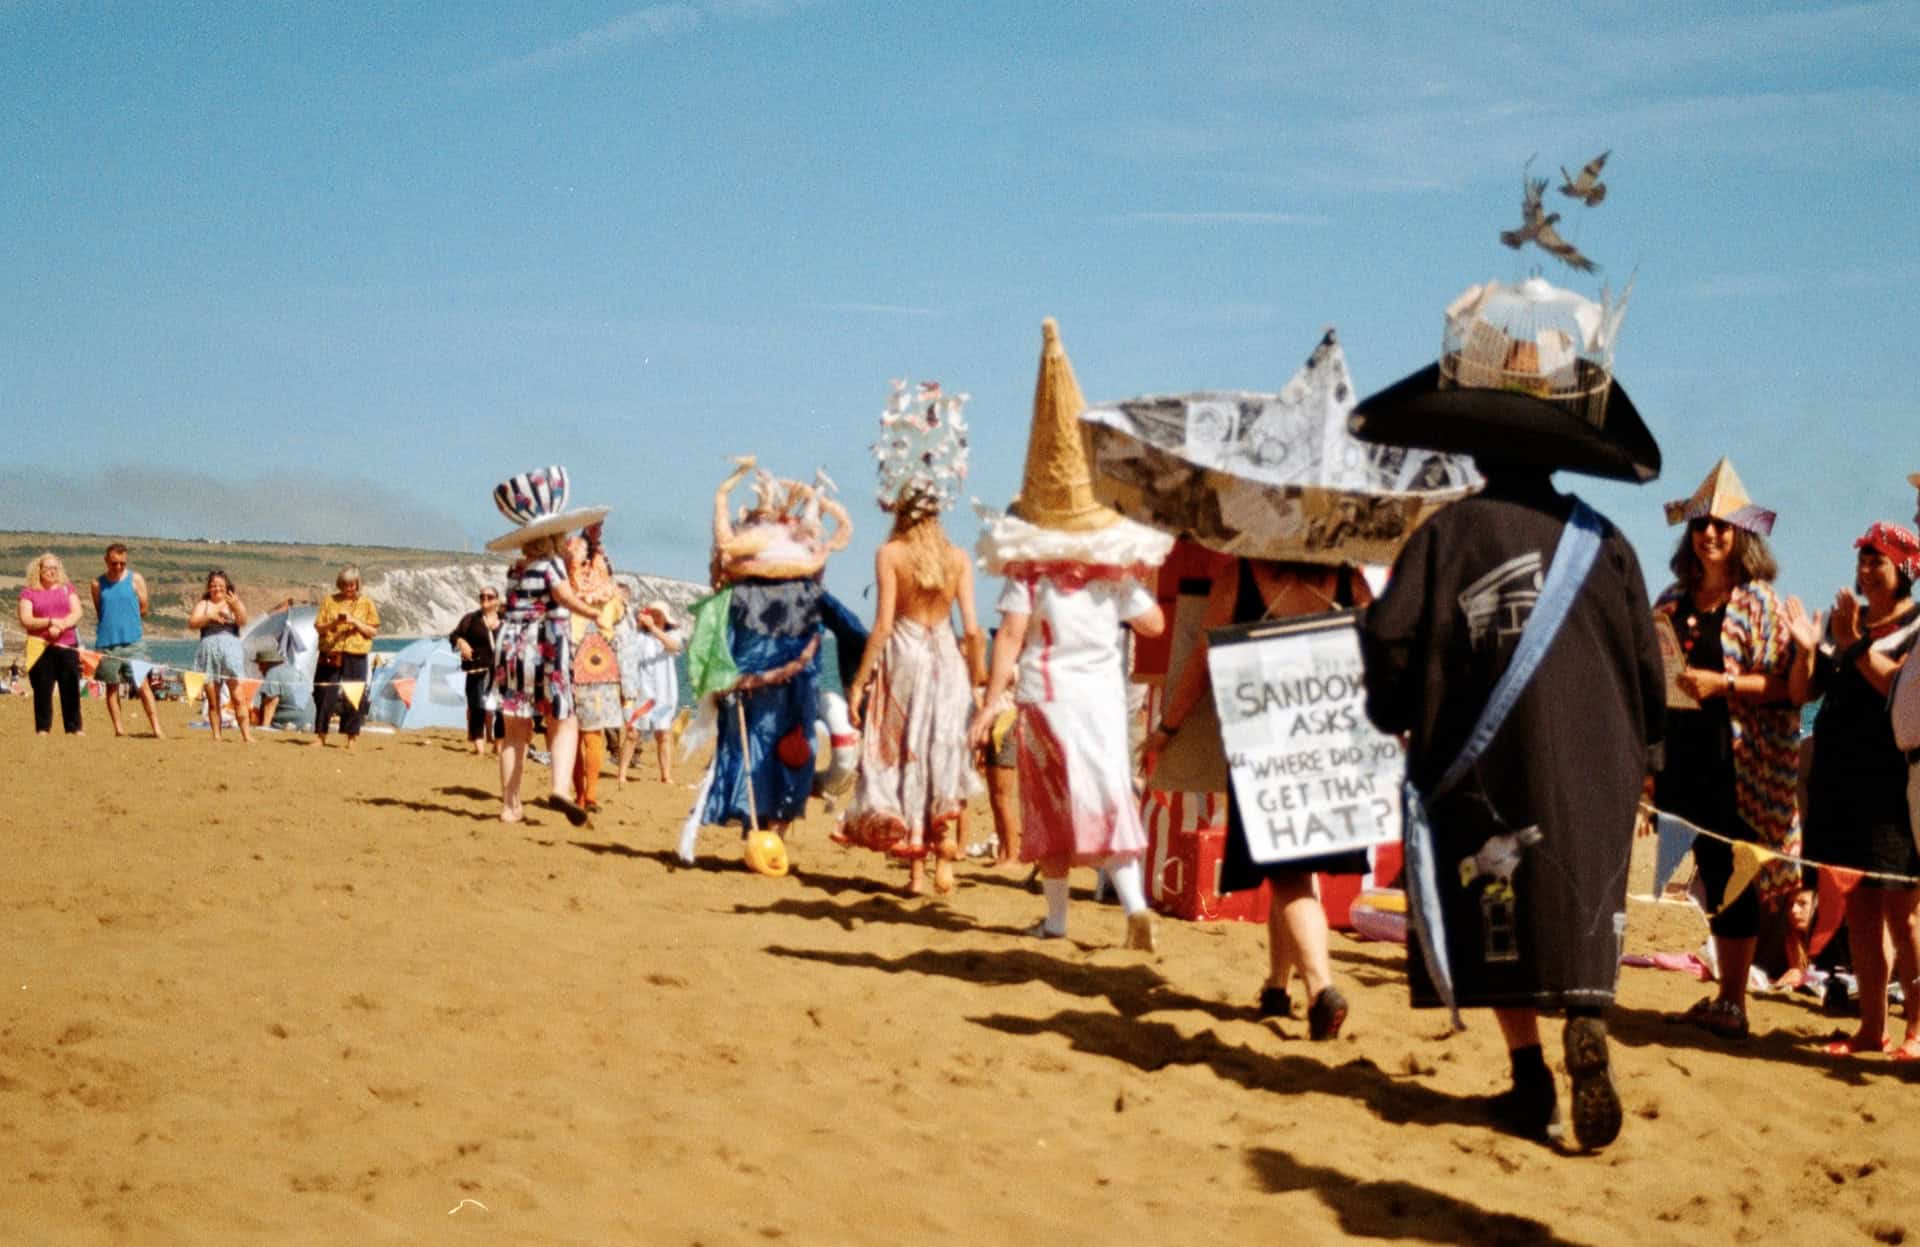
[{"x": 1600, "y": 434}]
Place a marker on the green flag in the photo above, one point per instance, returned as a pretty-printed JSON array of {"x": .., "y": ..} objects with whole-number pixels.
[{"x": 710, "y": 666}]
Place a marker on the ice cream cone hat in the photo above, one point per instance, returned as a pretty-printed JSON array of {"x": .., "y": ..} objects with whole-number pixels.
[
  {"x": 1056, "y": 490},
  {"x": 1723, "y": 497},
  {"x": 1056, "y": 518}
]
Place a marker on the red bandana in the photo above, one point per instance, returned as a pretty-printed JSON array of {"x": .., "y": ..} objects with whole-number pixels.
[{"x": 1900, "y": 546}]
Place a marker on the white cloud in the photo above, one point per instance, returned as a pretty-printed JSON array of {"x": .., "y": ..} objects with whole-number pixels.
[
  {"x": 653, "y": 23},
  {"x": 1223, "y": 218},
  {"x": 877, "y": 309}
]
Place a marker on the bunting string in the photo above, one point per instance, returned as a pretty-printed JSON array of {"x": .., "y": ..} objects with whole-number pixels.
[{"x": 1677, "y": 835}]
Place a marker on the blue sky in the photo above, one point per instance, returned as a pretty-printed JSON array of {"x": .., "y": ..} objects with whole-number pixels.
[{"x": 310, "y": 271}]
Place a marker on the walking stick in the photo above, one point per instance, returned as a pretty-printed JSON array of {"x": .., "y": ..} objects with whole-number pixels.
[{"x": 746, "y": 761}]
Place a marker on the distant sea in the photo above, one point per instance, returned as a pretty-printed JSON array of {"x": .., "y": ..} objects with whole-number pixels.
[{"x": 179, "y": 655}]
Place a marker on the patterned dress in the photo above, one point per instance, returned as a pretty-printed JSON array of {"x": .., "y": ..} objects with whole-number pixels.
[
  {"x": 533, "y": 659},
  {"x": 1766, "y": 738},
  {"x": 916, "y": 769}
]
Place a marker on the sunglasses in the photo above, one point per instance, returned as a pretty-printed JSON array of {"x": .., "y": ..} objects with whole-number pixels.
[{"x": 1709, "y": 523}]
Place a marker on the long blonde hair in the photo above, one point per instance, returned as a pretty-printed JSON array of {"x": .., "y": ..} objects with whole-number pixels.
[
  {"x": 33, "y": 569},
  {"x": 926, "y": 547}
]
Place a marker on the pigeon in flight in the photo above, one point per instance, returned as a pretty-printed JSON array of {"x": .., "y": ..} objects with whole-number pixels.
[
  {"x": 1532, "y": 219},
  {"x": 1537, "y": 227},
  {"x": 1588, "y": 188}
]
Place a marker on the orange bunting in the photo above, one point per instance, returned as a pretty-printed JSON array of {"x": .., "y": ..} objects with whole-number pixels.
[
  {"x": 403, "y": 689},
  {"x": 1830, "y": 911},
  {"x": 247, "y": 689},
  {"x": 89, "y": 662}
]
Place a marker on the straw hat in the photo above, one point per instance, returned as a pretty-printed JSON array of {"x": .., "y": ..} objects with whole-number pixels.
[
  {"x": 1525, "y": 376},
  {"x": 1056, "y": 489},
  {"x": 1723, "y": 497},
  {"x": 537, "y": 501}
]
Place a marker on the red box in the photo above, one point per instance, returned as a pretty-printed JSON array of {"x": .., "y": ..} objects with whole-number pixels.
[{"x": 1186, "y": 842}]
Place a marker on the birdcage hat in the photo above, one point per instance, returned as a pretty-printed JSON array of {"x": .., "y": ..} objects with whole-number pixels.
[
  {"x": 1525, "y": 376},
  {"x": 922, "y": 452}
]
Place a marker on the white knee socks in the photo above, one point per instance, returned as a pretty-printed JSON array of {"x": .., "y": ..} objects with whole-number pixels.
[
  {"x": 1128, "y": 881},
  {"x": 1056, "y": 893}
]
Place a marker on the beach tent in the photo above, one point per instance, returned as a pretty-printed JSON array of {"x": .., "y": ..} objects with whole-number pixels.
[
  {"x": 291, "y": 632},
  {"x": 437, "y": 696}
]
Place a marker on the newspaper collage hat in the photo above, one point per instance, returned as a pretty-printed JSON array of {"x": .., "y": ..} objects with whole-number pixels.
[
  {"x": 536, "y": 501},
  {"x": 1270, "y": 476}
]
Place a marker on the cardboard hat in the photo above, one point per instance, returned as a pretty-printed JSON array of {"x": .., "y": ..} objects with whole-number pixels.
[
  {"x": 537, "y": 502},
  {"x": 1723, "y": 497},
  {"x": 1913, "y": 479},
  {"x": 922, "y": 452},
  {"x": 1056, "y": 488},
  {"x": 1525, "y": 376}
]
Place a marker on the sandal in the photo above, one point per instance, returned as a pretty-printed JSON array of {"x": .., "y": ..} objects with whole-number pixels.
[
  {"x": 1327, "y": 1014},
  {"x": 1853, "y": 1047},
  {"x": 1907, "y": 1051}
]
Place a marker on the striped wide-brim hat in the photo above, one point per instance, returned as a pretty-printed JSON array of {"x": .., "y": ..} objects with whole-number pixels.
[{"x": 537, "y": 502}]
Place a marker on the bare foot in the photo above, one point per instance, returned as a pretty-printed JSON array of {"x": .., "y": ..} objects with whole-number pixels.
[
  {"x": 1004, "y": 859},
  {"x": 943, "y": 876},
  {"x": 515, "y": 815},
  {"x": 319, "y": 742},
  {"x": 916, "y": 878}
]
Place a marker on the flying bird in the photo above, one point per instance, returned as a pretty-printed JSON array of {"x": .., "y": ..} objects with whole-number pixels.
[
  {"x": 1536, "y": 226},
  {"x": 1532, "y": 220},
  {"x": 1549, "y": 240},
  {"x": 1588, "y": 187}
]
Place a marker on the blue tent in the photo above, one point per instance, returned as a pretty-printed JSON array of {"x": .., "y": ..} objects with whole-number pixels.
[{"x": 439, "y": 688}]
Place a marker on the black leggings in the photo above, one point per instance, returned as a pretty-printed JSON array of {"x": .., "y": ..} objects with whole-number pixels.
[
  {"x": 58, "y": 665},
  {"x": 477, "y": 682},
  {"x": 326, "y": 695},
  {"x": 1740, "y": 920}
]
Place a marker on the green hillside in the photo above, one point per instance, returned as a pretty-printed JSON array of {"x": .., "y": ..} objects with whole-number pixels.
[{"x": 176, "y": 571}]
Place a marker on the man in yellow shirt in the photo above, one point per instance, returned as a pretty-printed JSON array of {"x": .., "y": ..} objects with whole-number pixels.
[{"x": 345, "y": 624}]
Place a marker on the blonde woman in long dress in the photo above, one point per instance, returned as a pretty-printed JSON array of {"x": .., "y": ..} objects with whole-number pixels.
[{"x": 912, "y": 698}]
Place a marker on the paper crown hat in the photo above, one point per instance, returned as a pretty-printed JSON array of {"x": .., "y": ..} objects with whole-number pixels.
[
  {"x": 1723, "y": 497},
  {"x": 536, "y": 501},
  {"x": 1056, "y": 489},
  {"x": 1525, "y": 376},
  {"x": 922, "y": 451}
]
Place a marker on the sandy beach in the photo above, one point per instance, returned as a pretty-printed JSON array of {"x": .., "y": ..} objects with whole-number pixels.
[{"x": 277, "y": 994}]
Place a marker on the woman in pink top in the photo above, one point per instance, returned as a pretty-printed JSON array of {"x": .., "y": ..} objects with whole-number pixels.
[{"x": 49, "y": 611}]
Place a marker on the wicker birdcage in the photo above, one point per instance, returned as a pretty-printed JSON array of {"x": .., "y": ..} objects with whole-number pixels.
[{"x": 1535, "y": 339}]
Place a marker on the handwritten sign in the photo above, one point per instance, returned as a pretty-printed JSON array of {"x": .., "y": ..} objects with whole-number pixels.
[{"x": 1310, "y": 773}]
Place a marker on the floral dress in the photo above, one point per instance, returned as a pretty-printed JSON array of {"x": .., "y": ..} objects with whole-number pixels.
[{"x": 533, "y": 659}]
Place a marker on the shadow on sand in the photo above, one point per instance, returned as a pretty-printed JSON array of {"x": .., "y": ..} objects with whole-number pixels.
[{"x": 1399, "y": 1211}]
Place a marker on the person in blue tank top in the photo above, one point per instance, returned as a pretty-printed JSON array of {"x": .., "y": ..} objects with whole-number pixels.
[{"x": 120, "y": 603}]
